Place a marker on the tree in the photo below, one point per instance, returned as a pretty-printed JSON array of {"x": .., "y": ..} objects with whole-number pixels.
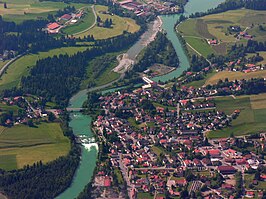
[
  {"x": 5, "y": 5},
  {"x": 51, "y": 117},
  {"x": 30, "y": 123}
]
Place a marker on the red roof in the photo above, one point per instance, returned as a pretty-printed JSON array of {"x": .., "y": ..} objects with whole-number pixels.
[
  {"x": 53, "y": 26},
  {"x": 107, "y": 181},
  {"x": 66, "y": 16}
]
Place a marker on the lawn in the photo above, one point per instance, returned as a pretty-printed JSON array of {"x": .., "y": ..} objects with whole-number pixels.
[
  {"x": 200, "y": 83},
  {"x": 248, "y": 122},
  {"x": 188, "y": 28},
  {"x": 248, "y": 179},
  {"x": 22, "y": 66},
  {"x": 7, "y": 108},
  {"x": 86, "y": 21},
  {"x": 144, "y": 196},
  {"x": 24, "y": 145},
  {"x": 2, "y": 63},
  {"x": 119, "y": 176},
  {"x": 119, "y": 25},
  {"x": 234, "y": 75},
  {"x": 200, "y": 45},
  {"x": 21, "y": 10}
]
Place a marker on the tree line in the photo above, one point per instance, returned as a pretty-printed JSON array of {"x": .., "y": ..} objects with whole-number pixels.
[{"x": 233, "y": 5}]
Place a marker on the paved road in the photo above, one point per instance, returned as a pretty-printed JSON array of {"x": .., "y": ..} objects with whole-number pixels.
[
  {"x": 8, "y": 63},
  {"x": 95, "y": 21}
]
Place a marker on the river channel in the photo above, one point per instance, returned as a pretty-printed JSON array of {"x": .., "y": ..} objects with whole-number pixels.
[{"x": 81, "y": 123}]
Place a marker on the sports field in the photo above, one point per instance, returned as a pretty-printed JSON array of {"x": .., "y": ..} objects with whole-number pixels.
[
  {"x": 22, "y": 145},
  {"x": 20, "y": 10},
  {"x": 23, "y": 65},
  {"x": 196, "y": 31},
  {"x": 252, "y": 118},
  {"x": 84, "y": 23},
  {"x": 119, "y": 25}
]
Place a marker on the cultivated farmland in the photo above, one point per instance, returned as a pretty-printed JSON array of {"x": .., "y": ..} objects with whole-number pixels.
[{"x": 22, "y": 145}]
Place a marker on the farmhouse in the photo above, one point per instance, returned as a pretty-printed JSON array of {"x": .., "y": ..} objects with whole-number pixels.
[
  {"x": 53, "y": 28},
  {"x": 66, "y": 17}
]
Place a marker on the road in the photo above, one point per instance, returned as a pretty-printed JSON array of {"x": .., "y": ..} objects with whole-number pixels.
[
  {"x": 95, "y": 21},
  {"x": 3, "y": 69}
]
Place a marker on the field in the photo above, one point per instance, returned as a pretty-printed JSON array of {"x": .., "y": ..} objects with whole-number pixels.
[
  {"x": 196, "y": 31},
  {"x": 2, "y": 63},
  {"x": 200, "y": 83},
  {"x": 20, "y": 10},
  {"x": 23, "y": 65},
  {"x": 261, "y": 53},
  {"x": 234, "y": 75},
  {"x": 85, "y": 23},
  {"x": 252, "y": 118},
  {"x": 22, "y": 145},
  {"x": 200, "y": 45},
  {"x": 119, "y": 25}
]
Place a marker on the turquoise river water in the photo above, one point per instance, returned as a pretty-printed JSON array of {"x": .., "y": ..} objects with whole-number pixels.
[{"x": 81, "y": 123}]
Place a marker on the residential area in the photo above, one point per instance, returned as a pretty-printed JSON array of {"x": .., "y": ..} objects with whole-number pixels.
[{"x": 155, "y": 141}]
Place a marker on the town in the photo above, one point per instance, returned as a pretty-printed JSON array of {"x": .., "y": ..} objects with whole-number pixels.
[{"x": 156, "y": 142}]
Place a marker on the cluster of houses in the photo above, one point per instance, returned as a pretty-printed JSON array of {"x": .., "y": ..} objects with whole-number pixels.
[
  {"x": 141, "y": 8},
  {"x": 153, "y": 138},
  {"x": 248, "y": 67},
  {"x": 63, "y": 21},
  {"x": 25, "y": 110}
]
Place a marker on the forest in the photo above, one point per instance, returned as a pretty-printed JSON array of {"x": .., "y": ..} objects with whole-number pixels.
[
  {"x": 57, "y": 78},
  {"x": 160, "y": 51},
  {"x": 29, "y": 36},
  {"x": 43, "y": 180}
]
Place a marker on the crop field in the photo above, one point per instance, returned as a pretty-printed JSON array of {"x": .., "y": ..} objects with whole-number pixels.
[
  {"x": 251, "y": 119},
  {"x": 20, "y": 10},
  {"x": 22, "y": 145},
  {"x": 234, "y": 76},
  {"x": 85, "y": 23},
  {"x": 214, "y": 27},
  {"x": 119, "y": 25},
  {"x": 22, "y": 66}
]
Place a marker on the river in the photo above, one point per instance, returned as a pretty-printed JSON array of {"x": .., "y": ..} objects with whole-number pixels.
[{"x": 81, "y": 123}]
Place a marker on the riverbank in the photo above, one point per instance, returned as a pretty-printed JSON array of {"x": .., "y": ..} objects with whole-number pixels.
[{"x": 167, "y": 23}]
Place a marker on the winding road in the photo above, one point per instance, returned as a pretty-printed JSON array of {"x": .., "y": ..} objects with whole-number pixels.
[{"x": 95, "y": 20}]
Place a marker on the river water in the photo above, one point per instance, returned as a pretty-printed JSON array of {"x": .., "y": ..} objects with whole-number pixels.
[{"x": 81, "y": 124}]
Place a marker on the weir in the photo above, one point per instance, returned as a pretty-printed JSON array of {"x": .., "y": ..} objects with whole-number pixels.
[{"x": 82, "y": 123}]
